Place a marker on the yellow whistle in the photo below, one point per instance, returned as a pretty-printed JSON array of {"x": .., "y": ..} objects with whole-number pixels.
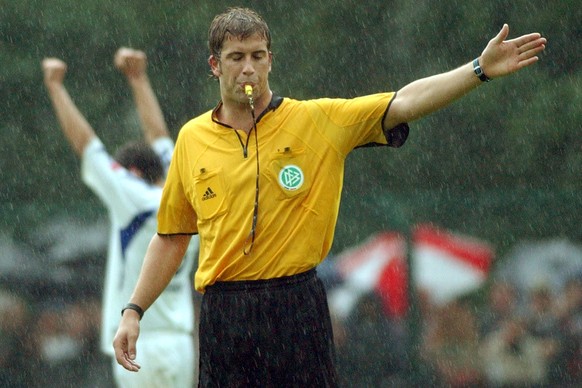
[{"x": 249, "y": 90}]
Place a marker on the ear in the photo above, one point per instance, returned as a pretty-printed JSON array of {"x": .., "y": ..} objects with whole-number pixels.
[{"x": 214, "y": 65}]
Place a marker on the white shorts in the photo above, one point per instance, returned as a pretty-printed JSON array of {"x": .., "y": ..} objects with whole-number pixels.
[{"x": 167, "y": 360}]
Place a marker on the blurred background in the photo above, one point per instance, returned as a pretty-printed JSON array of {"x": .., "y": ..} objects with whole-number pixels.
[{"x": 502, "y": 165}]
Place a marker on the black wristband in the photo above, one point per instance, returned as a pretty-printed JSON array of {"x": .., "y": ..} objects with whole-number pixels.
[
  {"x": 479, "y": 72},
  {"x": 134, "y": 307}
]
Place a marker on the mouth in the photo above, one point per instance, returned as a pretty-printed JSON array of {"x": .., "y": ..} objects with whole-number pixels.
[
  {"x": 249, "y": 91},
  {"x": 244, "y": 86}
]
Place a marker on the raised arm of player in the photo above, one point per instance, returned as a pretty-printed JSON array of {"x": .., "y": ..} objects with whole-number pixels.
[
  {"x": 73, "y": 124},
  {"x": 133, "y": 63},
  {"x": 501, "y": 57}
]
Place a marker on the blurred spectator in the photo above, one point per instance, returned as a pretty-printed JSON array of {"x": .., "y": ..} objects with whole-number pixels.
[
  {"x": 502, "y": 299},
  {"x": 371, "y": 350},
  {"x": 542, "y": 323},
  {"x": 541, "y": 318},
  {"x": 428, "y": 316},
  {"x": 65, "y": 339},
  {"x": 339, "y": 331},
  {"x": 451, "y": 346},
  {"x": 513, "y": 357},
  {"x": 569, "y": 314},
  {"x": 14, "y": 316},
  {"x": 57, "y": 350},
  {"x": 83, "y": 322}
]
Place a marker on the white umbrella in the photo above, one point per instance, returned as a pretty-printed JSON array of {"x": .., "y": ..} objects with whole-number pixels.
[{"x": 550, "y": 263}]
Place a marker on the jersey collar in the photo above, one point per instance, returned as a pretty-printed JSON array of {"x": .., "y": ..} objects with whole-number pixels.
[{"x": 275, "y": 102}]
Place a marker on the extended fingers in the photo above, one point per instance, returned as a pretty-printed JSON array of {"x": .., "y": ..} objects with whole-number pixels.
[
  {"x": 529, "y": 55},
  {"x": 526, "y": 62},
  {"x": 529, "y": 51},
  {"x": 526, "y": 40},
  {"x": 537, "y": 44},
  {"x": 502, "y": 57}
]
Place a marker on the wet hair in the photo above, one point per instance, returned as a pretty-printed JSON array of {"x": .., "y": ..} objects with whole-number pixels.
[
  {"x": 236, "y": 22},
  {"x": 139, "y": 155}
]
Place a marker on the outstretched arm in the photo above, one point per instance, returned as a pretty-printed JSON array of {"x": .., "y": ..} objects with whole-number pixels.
[
  {"x": 162, "y": 260},
  {"x": 73, "y": 124},
  {"x": 132, "y": 63},
  {"x": 501, "y": 57}
]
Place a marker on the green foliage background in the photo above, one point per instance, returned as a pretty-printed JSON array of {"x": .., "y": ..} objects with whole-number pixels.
[{"x": 503, "y": 164}]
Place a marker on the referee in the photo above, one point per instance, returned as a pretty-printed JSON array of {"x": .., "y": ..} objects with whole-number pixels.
[{"x": 259, "y": 178}]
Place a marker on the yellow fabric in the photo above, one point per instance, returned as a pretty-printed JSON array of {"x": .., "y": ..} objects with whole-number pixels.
[{"x": 210, "y": 187}]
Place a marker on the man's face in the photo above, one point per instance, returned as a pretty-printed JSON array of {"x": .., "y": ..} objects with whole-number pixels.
[{"x": 242, "y": 62}]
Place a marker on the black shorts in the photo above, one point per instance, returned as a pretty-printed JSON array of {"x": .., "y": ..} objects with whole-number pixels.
[{"x": 267, "y": 333}]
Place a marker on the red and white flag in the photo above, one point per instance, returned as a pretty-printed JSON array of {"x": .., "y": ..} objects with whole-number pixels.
[
  {"x": 446, "y": 265},
  {"x": 379, "y": 265}
]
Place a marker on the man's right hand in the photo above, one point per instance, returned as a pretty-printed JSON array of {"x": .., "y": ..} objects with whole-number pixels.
[
  {"x": 130, "y": 62},
  {"x": 54, "y": 71},
  {"x": 125, "y": 341}
]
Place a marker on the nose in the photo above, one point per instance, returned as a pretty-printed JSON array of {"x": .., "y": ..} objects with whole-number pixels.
[{"x": 248, "y": 67}]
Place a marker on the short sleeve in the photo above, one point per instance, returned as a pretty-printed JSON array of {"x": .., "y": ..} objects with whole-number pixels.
[{"x": 176, "y": 214}]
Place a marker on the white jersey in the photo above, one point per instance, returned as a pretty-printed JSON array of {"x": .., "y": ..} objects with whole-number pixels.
[{"x": 133, "y": 206}]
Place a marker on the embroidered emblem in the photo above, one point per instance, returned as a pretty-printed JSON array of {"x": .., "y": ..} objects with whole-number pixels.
[{"x": 291, "y": 177}]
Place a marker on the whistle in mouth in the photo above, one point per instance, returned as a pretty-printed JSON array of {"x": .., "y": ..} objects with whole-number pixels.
[
  {"x": 249, "y": 93},
  {"x": 249, "y": 90}
]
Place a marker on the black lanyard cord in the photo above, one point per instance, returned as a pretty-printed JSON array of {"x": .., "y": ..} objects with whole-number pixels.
[{"x": 250, "y": 241}]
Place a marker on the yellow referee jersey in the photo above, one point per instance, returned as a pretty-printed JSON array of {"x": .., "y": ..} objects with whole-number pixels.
[{"x": 302, "y": 146}]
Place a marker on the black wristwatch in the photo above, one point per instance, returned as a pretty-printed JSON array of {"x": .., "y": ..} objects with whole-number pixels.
[
  {"x": 134, "y": 307},
  {"x": 479, "y": 72}
]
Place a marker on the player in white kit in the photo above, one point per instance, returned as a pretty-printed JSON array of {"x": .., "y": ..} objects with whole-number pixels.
[{"x": 130, "y": 186}]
